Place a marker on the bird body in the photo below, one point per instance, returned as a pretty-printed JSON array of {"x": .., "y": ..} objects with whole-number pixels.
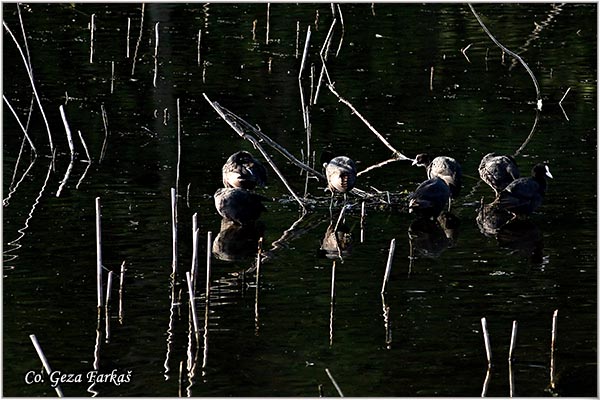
[
  {"x": 446, "y": 168},
  {"x": 498, "y": 171},
  {"x": 430, "y": 198},
  {"x": 525, "y": 195},
  {"x": 341, "y": 174},
  {"x": 242, "y": 170},
  {"x": 239, "y": 205}
]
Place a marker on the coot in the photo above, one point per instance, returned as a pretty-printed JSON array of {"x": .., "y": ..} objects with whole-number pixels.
[
  {"x": 242, "y": 170},
  {"x": 443, "y": 167},
  {"x": 430, "y": 198},
  {"x": 524, "y": 195},
  {"x": 498, "y": 171},
  {"x": 341, "y": 174},
  {"x": 239, "y": 205}
]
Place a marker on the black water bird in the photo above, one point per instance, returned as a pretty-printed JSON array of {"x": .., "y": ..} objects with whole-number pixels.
[
  {"x": 430, "y": 198},
  {"x": 239, "y": 205},
  {"x": 524, "y": 195},
  {"x": 443, "y": 167},
  {"x": 242, "y": 170},
  {"x": 498, "y": 171}
]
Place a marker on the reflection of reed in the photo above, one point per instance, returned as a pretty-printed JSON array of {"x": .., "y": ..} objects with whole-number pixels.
[
  {"x": 386, "y": 322},
  {"x": 15, "y": 243},
  {"x": 552, "y": 366}
]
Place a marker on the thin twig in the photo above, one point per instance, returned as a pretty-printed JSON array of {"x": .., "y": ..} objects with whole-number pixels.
[
  {"x": 68, "y": 131},
  {"x": 155, "y": 53},
  {"x": 486, "y": 339},
  {"x": 20, "y": 125},
  {"x": 388, "y": 267},
  {"x": 44, "y": 361},
  {"x": 137, "y": 45},
  {"x": 87, "y": 153},
  {"x": 92, "y": 29},
  {"x": 99, "y": 252},
  {"x": 105, "y": 142},
  {"x": 334, "y": 383}
]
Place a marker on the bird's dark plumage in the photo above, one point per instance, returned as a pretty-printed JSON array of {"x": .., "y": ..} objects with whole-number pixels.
[
  {"x": 525, "y": 195},
  {"x": 498, "y": 171},
  {"x": 446, "y": 168},
  {"x": 430, "y": 198},
  {"x": 242, "y": 170},
  {"x": 239, "y": 205}
]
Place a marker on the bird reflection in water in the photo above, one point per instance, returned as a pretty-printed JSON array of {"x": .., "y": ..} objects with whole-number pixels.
[
  {"x": 337, "y": 242},
  {"x": 237, "y": 242},
  {"x": 430, "y": 237},
  {"x": 519, "y": 234}
]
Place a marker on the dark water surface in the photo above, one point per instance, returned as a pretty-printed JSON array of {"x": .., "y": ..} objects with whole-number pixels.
[{"x": 279, "y": 342}]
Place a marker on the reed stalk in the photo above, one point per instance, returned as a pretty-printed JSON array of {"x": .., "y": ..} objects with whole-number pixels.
[
  {"x": 128, "y": 34},
  {"x": 87, "y": 153},
  {"x": 24, "y": 36},
  {"x": 174, "y": 229},
  {"x": 105, "y": 142},
  {"x": 29, "y": 70},
  {"x": 109, "y": 288},
  {"x": 67, "y": 131},
  {"x": 337, "y": 387},
  {"x": 44, "y": 361},
  {"x": 297, "y": 37},
  {"x": 137, "y": 45},
  {"x": 195, "y": 237},
  {"x": 513, "y": 341},
  {"x": 486, "y": 339},
  {"x": 178, "y": 146},
  {"x": 552, "y": 349},
  {"x": 208, "y": 262},
  {"x": 268, "y": 22},
  {"x": 64, "y": 180},
  {"x": 192, "y": 304},
  {"x": 121, "y": 281},
  {"x": 431, "y": 80},
  {"x": 99, "y": 252},
  {"x": 199, "y": 38},
  {"x": 323, "y": 54},
  {"x": 362, "y": 222},
  {"x": 92, "y": 29},
  {"x": 343, "y": 30},
  {"x": 388, "y": 267},
  {"x": 155, "y": 53},
  {"x": 112, "y": 77},
  {"x": 20, "y": 125}
]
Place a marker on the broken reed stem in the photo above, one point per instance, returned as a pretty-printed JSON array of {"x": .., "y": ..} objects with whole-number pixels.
[
  {"x": 379, "y": 165},
  {"x": 178, "y": 146},
  {"x": 99, "y": 252},
  {"x": 258, "y": 258},
  {"x": 431, "y": 80},
  {"x": 195, "y": 236},
  {"x": 396, "y": 153},
  {"x": 334, "y": 383},
  {"x": 323, "y": 54},
  {"x": 87, "y": 153},
  {"x": 535, "y": 82},
  {"x": 137, "y": 45},
  {"x": 520, "y": 149},
  {"x": 199, "y": 37},
  {"x": 333, "y": 281},
  {"x": 268, "y": 22},
  {"x": 121, "y": 281},
  {"x": 486, "y": 339},
  {"x": 174, "y": 229},
  {"x": 565, "y": 95},
  {"x": 192, "y": 302},
  {"x": 68, "y": 131},
  {"x": 208, "y": 257},
  {"x": 297, "y": 37},
  {"x": 108, "y": 288},
  {"x": 343, "y": 30},
  {"x": 362, "y": 222},
  {"x": 513, "y": 341},
  {"x": 128, "y": 32},
  {"x": 29, "y": 70},
  {"x": 302, "y": 64},
  {"x": 44, "y": 361},
  {"x": 105, "y": 142},
  {"x": 155, "y": 53},
  {"x": 388, "y": 267},
  {"x": 112, "y": 77},
  {"x": 20, "y": 125},
  {"x": 92, "y": 29},
  {"x": 552, "y": 348},
  {"x": 63, "y": 182}
]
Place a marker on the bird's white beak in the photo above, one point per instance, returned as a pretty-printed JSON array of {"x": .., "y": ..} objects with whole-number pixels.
[
  {"x": 414, "y": 162},
  {"x": 548, "y": 174}
]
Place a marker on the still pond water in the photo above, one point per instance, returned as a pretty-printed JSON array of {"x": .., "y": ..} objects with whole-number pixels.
[{"x": 402, "y": 68}]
